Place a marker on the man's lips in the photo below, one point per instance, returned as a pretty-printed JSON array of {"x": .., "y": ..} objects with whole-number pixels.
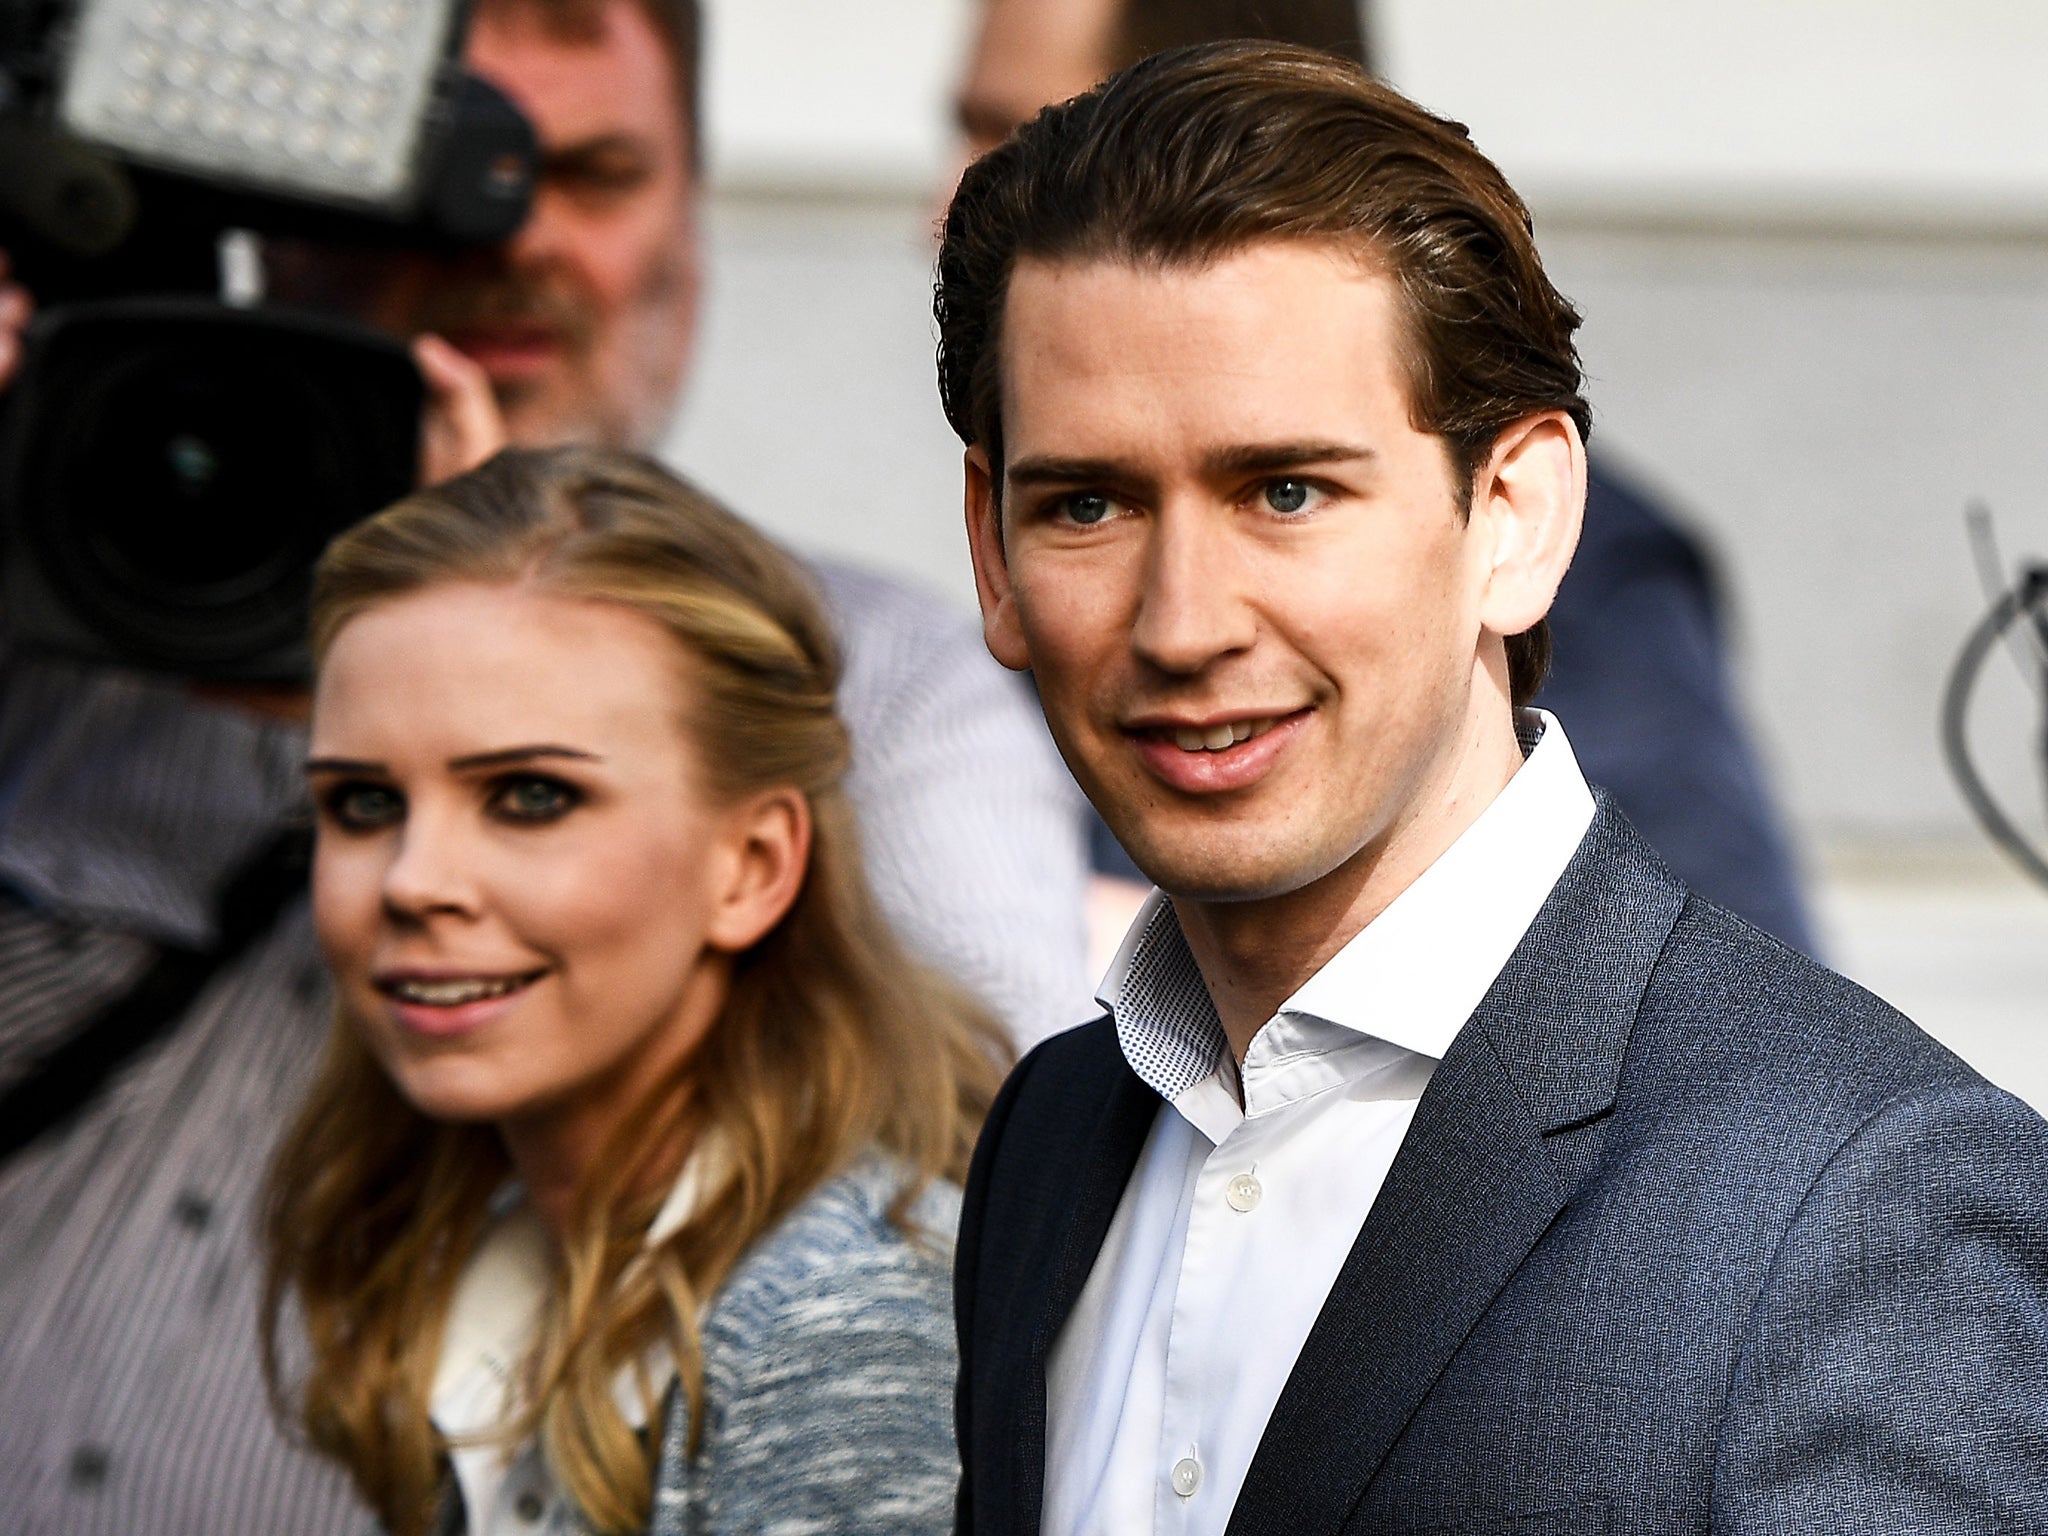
[
  {"x": 509, "y": 350},
  {"x": 1215, "y": 753}
]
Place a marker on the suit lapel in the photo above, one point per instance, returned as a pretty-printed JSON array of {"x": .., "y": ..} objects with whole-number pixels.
[
  {"x": 1108, "y": 1155},
  {"x": 1507, "y": 1129}
]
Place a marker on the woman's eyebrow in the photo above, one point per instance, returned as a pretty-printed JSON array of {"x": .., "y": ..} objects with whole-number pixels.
[
  {"x": 344, "y": 765},
  {"x": 505, "y": 755}
]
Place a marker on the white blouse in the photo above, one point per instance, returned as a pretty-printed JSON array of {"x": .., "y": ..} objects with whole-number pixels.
[{"x": 506, "y": 1488}]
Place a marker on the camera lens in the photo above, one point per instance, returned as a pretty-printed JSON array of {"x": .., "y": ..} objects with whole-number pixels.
[
  {"x": 191, "y": 507},
  {"x": 203, "y": 463},
  {"x": 197, "y": 492}
]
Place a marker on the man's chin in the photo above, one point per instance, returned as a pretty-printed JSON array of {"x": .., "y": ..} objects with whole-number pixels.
[
  {"x": 557, "y": 413},
  {"x": 541, "y": 414},
  {"x": 1229, "y": 868}
]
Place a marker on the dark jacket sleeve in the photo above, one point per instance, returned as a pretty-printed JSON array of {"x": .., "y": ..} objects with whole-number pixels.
[
  {"x": 1894, "y": 1377},
  {"x": 966, "y": 1254}
]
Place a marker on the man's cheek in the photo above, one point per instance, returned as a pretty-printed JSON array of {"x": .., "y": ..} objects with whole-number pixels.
[{"x": 1067, "y": 607}]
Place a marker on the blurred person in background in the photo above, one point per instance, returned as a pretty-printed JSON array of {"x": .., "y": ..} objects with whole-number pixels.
[
  {"x": 624, "y": 1197},
  {"x": 143, "y": 875},
  {"x": 1640, "y": 666}
]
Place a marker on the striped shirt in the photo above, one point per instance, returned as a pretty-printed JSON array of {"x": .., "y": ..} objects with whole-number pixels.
[{"x": 131, "y": 1397}]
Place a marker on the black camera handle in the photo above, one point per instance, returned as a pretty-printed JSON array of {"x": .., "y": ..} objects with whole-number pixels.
[{"x": 73, "y": 1073}]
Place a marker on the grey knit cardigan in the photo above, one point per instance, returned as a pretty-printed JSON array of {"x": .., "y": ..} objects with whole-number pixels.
[{"x": 829, "y": 1362}]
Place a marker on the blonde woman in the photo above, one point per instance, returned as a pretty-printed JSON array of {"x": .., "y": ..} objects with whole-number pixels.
[{"x": 624, "y": 1195}]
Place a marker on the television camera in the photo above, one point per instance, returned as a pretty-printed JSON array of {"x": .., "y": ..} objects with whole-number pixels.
[{"x": 171, "y": 463}]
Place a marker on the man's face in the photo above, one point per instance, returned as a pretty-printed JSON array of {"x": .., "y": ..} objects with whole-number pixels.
[
  {"x": 583, "y": 321},
  {"x": 1239, "y": 573},
  {"x": 1027, "y": 55}
]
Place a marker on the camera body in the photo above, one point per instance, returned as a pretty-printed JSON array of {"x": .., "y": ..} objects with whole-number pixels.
[{"x": 171, "y": 465}]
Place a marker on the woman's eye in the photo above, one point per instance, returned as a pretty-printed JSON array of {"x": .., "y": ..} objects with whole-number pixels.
[
  {"x": 363, "y": 807},
  {"x": 530, "y": 798},
  {"x": 1287, "y": 495}
]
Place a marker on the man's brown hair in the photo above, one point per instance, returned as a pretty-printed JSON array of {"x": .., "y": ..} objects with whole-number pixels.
[
  {"x": 1193, "y": 154},
  {"x": 678, "y": 23}
]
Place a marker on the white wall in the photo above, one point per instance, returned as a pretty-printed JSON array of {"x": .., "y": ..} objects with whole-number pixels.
[
  {"x": 1891, "y": 107},
  {"x": 803, "y": 93},
  {"x": 1871, "y": 104}
]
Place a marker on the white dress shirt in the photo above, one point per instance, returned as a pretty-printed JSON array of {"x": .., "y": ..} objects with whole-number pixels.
[{"x": 1236, "y": 1219}]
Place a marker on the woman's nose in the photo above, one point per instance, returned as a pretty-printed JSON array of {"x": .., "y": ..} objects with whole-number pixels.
[{"x": 430, "y": 872}]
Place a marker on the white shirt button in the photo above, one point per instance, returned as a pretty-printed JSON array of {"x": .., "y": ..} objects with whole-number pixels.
[
  {"x": 1187, "y": 1476},
  {"x": 1243, "y": 1193}
]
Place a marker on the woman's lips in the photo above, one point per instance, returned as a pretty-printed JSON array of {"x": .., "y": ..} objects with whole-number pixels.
[
  {"x": 1181, "y": 756},
  {"x": 446, "y": 1005}
]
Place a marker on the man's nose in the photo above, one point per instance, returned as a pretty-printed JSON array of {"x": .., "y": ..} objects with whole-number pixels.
[
  {"x": 538, "y": 240},
  {"x": 1193, "y": 606}
]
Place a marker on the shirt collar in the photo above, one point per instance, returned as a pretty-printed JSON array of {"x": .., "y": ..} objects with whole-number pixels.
[
  {"x": 1413, "y": 975},
  {"x": 128, "y": 803},
  {"x": 1166, "y": 1022}
]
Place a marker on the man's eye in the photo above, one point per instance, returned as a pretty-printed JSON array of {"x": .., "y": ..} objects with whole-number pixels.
[
  {"x": 598, "y": 175},
  {"x": 1288, "y": 495},
  {"x": 363, "y": 807},
  {"x": 1087, "y": 508},
  {"x": 533, "y": 797}
]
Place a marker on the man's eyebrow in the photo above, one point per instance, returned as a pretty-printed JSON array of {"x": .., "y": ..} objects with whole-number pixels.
[
  {"x": 1052, "y": 471},
  {"x": 1244, "y": 459},
  {"x": 505, "y": 756},
  {"x": 581, "y": 152},
  {"x": 1270, "y": 458}
]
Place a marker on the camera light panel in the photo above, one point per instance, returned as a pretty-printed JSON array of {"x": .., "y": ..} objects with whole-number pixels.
[{"x": 316, "y": 98}]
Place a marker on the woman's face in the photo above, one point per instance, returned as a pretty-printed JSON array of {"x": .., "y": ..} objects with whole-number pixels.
[{"x": 522, "y": 886}]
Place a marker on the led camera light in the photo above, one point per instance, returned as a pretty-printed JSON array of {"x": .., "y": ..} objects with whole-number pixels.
[{"x": 323, "y": 99}]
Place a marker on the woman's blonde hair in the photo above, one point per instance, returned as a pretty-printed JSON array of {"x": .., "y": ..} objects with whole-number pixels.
[{"x": 831, "y": 1041}]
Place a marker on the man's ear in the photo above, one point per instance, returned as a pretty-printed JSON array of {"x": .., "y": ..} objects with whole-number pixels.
[
  {"x": 999, "y": 625},
  {"x": 1529, "y": 496},
  {"x": 762, "y": 853}
]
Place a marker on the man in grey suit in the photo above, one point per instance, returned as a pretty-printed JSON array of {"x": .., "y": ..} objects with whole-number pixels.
[{"x": 1442, "y": 1162}]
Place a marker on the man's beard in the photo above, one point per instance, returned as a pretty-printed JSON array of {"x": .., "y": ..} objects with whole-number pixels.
[
  {"x": 566, "y": 403},
  {"x": 460, "y": 304},
  {"x": 610, "y": 390},
  {"x": 613, "y": 390}
]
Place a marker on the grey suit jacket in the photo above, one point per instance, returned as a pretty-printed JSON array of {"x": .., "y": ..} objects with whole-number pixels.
[{"x": 1688, "y": 1235}]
